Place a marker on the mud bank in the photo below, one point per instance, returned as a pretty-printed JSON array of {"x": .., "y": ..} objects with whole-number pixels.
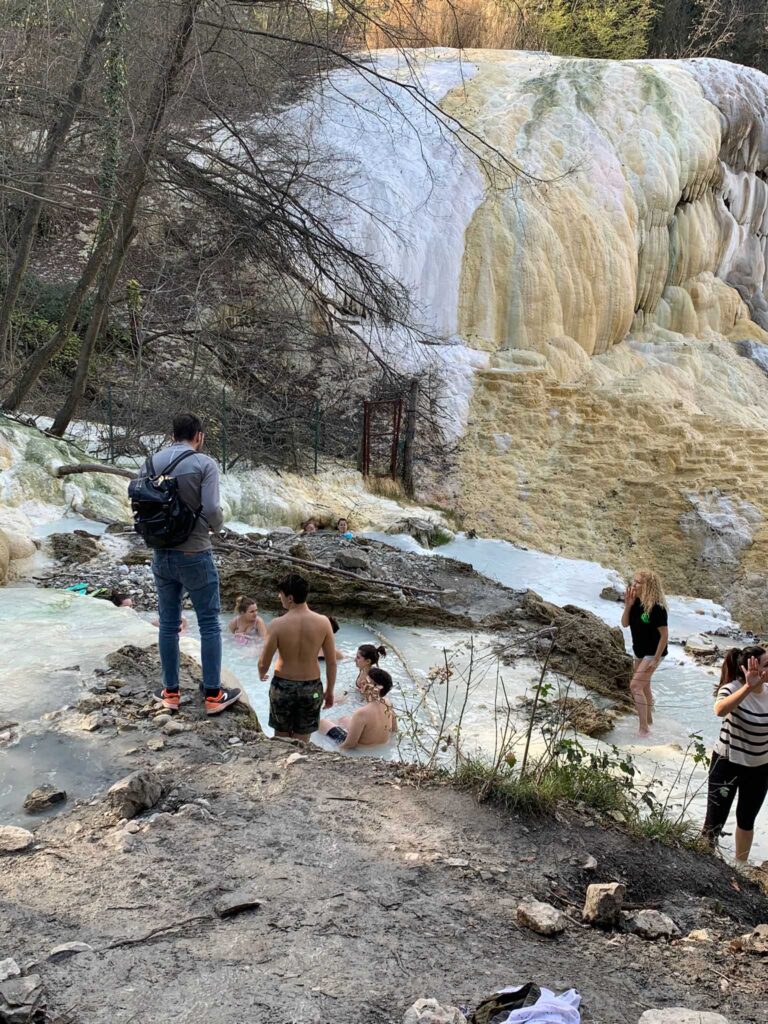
[{"x": 374, "y": 888}]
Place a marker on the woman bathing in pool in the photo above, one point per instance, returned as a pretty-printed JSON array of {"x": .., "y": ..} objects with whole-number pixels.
[
  {"x": 247, "y": 624},
  {"x": 367, "y": 657},
  {"x": 371, "y": 725}
]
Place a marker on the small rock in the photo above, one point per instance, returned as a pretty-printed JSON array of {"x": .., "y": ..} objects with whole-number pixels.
[
  {"x": 161, "y": 720},
  {"x": 603, "y": 903},
  {"x": 92, "y": 722},
  {"x": 176, "y": 728},
  {"x": 68, "y": 949},
  {"x": 43, "y": 797},
  {"x": 457, "y": 862},
  {"x": 590, "y": 864},
  {"x": 14, "y": 840},
  {"x": 650, "y": 924},
  {"x": 700, "y": 935},
  {"x": 429, "y": 1011},
  {"x": 541, "y": 918},
  {"x": 612, "y": 593},
  {"x": 135, "y": 793},
  {"x": 22, "y": 1000},
  {"x": 681, "y": 1015},
  {"x": 9, "y": 969},
  {"x": 353, "y": 560},
  {"x": 87, "y": 705},
  {"x": 701, "y": 645},
  {"x": 755, "y": 941},
  {"x": 294, "y": 758},
  {"x": 132, "y": 827},
  {"x": 236, "y": 902},
  {"x": 234, "y": 741},
  {"x": 155, "y": 743}
]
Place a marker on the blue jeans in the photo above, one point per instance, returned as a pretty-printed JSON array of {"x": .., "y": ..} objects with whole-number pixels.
[{"x": 176, "y": 572}]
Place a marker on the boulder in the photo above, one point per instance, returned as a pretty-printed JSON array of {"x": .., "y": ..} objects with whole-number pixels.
[
  {"x": 703, "y": 646},
  {"x": 542, "y": 918},
  {"x": 603, "y": 903},
  {"x": 583, "y": 715},
  {"x": 681, "y": 1015},
  {"x": 14, "y": 840},
  {"x": 650, "y": 924},
  {"x": 75, "y": 547},
  {"x": 586, "y": 649},
  {"x": 612, "y": 593},
  {"x": 22, "y": 1000},
  {"x": 424, "y": 531},
  {"x": 356, "y": 561},
  {"x": 43, "y": 797},
  {"x": 429, "y": 1011},
  {"x": 135, "y": 793}
]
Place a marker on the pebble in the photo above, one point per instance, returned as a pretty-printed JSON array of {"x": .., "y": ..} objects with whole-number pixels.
[
  {"x": 542, "y": 918},
  {"x": 172, "y": 728},
  {"x": 68, "y": 949},
  {"x": 43, "y": 797},
  {"x": 9, "y": 969}
]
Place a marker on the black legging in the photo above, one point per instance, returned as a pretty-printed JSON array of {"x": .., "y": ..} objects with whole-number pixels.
[{"x": 725, "y": 779}]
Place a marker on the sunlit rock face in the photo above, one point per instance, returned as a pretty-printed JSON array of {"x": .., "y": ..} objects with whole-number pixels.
[{"x": 613, "y": 300}]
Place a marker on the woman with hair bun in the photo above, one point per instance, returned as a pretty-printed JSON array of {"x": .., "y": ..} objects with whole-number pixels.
[
  {"x": 739, "y": 764},
  {"x": 645, "y": 612},
  {"x": 366, "y": 658},
  {"x": 247, "y": 624}
]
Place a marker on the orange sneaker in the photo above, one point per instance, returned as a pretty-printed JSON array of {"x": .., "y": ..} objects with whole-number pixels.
[
  {"x": 168, "y": 698},
  {"x": 223, "y": 699}
]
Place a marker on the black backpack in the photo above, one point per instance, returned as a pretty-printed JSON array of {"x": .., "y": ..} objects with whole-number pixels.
[{"x": 159, "y": 514}]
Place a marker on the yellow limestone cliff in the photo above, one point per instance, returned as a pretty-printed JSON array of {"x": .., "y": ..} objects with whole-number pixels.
[{"x": 603, "y": 316}]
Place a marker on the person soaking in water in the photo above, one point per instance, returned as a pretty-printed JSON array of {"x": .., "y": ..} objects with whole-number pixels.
[
  {"x": 739, "y": 765},
  {"x": 368, "y": 726},
  {"x": 247, "y": 624},
  {"x": 645, "y": 612}
]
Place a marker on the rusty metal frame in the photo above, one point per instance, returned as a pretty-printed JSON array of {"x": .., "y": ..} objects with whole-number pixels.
[{"x": 396, "y": 404}]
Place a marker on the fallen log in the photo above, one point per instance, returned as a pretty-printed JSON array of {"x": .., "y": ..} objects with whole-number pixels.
[
  {"x": 320, "y": 566},
  {"x": 94, "y": 467}
]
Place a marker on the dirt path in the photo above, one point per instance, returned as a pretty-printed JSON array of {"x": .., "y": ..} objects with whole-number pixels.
[{"x": 375, "y": 892}]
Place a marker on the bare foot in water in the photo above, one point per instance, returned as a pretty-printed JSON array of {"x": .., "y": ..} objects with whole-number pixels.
[{"x": 644, "y": 734}]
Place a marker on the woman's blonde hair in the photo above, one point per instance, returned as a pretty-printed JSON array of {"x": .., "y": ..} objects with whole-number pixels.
[
  {"x": 650, "y": 591},
  {"x": 243, "y": 603}
]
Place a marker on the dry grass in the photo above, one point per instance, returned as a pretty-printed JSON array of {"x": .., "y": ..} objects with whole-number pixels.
[
  {"x": 385, "y": 487},
  {"x": 468, "y": 24}
]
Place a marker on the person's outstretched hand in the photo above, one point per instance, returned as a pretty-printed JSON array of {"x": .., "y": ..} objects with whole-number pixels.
[
  {"x": 631, "y": 594},
  {"x": 752, "y": 674}
]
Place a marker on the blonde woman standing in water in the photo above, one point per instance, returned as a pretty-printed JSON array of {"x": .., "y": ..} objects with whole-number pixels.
[{"x": 645, "y": 612}]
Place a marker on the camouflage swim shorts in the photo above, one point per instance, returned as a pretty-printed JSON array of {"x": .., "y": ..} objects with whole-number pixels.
[{"x": 294, "y": 707}]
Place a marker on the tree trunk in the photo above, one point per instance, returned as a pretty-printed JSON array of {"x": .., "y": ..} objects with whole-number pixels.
[
  {"x": 410, "y": 437},
  {"x": 131, "y": 182},
  {"x": 57, "y": 136},
  {"x": 40, "y": 358}
]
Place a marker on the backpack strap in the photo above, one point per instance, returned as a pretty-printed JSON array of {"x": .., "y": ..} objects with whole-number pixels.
[{"x": 179, "y": 458}]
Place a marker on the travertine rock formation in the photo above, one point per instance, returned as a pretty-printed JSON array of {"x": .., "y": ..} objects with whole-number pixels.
[{"x": 604, "y": 321}]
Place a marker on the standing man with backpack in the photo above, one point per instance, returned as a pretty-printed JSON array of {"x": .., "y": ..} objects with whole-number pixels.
[{"x": 175, "y": 502}]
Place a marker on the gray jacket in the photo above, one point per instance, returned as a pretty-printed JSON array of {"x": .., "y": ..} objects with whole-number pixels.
[{"x": 198, "y": 481}]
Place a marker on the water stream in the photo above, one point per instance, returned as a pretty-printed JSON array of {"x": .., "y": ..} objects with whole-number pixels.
[{"x": 48, "y": 638}]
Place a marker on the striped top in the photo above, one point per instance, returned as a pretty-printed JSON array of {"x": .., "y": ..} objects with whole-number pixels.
[{"x": 744, "y": 732}]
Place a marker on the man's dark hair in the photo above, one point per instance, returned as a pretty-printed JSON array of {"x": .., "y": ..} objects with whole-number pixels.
[
  {"x": 294, "y": 586},
  {"x": 186, "y": 426},
  {"x": 333, "y": 622}
]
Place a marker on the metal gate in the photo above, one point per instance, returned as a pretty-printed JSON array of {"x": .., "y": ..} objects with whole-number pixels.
[{"x": 381, "y": 436}]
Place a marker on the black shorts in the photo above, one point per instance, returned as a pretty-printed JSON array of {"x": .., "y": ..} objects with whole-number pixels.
[
  {"x": 337, "y": 734},
  {"x": 294, "y": 707}
]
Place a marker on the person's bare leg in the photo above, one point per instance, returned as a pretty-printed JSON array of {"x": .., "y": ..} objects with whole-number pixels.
[
  {"x": 325, "y": 725},
  {"x": 743, "y": 842},
  {"x": 649, "y": 702},
  {"x": 301, "y": 737},
  {"x": 640, "y": 680}
]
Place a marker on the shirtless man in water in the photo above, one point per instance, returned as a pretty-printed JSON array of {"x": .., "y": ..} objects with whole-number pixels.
[{"x": 296, "y": 693}]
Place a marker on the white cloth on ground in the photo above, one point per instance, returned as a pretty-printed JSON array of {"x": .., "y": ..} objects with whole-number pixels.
[{"x": 548, "y": 1009}]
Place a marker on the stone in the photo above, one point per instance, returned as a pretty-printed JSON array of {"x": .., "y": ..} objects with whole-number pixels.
[
  {"x": 590, "y": 864},
  {"x": 612, "y": 593},
  {"x": 43, "y": 797},
  {"x": 237, "y": 902},
  {"x": 92, "y": 722},
  {"x": 14, "y": 840},
  {"x": 701, "y": 645},
  {"x": 355, "y": 560},
  {"x": 755, "y": 941},
  {"x": 429, "y": 1011},
  {"x": 681, "y": 1015},
  {"x": 9, "y": 969},
  {"x": 22, "y": 1000},
  {"x": 88, "y": 704},
  {"x": 155, "y": 743},
  {"x": 7, "y": 725},
  {"x": 542, "y": 918},
  {"x": 176, "y": 728},
  {"x": 160, "y": 720},
  {"x": 295, "y": 758},
  {"x": 75, "y": 547},
  {"x": 700, "y": 935},
  {"x": 603, "y": 903},
  {"x": 67, "y": 949},
  {"x": 650, "y": 924},
  {"x": 135, "y": 793}
]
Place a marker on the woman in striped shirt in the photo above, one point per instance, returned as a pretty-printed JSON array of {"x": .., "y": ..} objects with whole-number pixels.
[{"x": 740, "y": 758}]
